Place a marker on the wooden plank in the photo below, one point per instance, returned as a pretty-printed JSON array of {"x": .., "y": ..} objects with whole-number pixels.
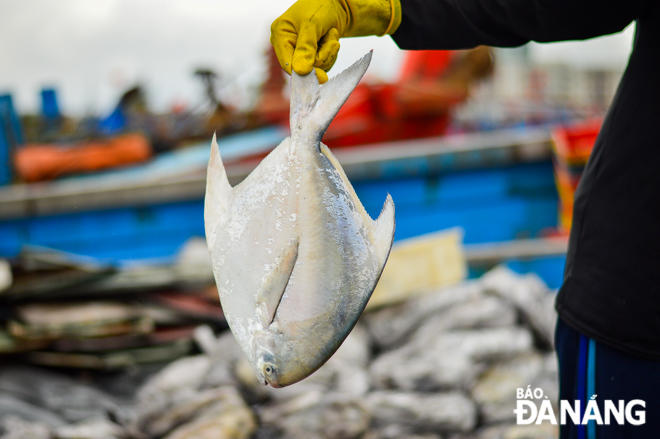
[{"x": 496, "y": 252}]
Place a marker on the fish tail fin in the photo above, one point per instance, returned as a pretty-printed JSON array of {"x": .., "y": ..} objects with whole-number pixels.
[
  {"x": 218, "y": 189},
  {"x": 384, "y": 228},
  {"x": 313, "y": 107}
]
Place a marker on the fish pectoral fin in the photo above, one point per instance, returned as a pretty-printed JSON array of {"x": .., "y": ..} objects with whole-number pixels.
[{"x": 274, "y": 285}]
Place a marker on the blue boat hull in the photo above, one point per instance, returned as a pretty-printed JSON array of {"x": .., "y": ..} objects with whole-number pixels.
[{"x": 493, "y": 204}]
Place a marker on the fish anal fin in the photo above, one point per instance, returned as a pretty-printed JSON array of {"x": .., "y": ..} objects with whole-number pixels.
[
  {"x": 274, "y": 284},
  {"x": 385, "y": 225}
]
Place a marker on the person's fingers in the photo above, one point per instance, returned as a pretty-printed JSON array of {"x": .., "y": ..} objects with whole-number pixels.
[
  {"x": 283, "y": 38},
  {"x": 326, "y": 54},
  {"x": 321, "y": 75},
  {"x": 305, "y": 52},
  {"x": 284, "y": 43}
]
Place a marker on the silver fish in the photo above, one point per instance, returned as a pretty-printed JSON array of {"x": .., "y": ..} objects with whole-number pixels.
[{"x": 295, "y": 255}]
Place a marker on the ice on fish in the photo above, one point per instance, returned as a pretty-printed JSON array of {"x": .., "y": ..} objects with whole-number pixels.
[{"x": 295, "y": 255}]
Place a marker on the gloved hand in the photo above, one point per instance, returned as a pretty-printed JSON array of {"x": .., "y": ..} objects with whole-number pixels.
[{"x": 307, "y": 35}]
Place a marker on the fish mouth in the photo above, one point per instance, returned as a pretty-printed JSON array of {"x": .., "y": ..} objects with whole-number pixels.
[
  {"x": 262, "y": 354},
  {"x": 265, "y": 381},
  {"x": 272, "y": 383}
]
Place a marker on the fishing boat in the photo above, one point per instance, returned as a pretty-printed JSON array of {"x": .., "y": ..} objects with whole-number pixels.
[{"x": 498, "y": 186}]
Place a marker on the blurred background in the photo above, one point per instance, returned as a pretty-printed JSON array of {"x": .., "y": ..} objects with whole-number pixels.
[{"x": 110, "y": 322}]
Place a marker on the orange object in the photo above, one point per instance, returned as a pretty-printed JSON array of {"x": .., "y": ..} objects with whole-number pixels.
[
  {"x": 566, "y": 191},
  {"x": 431, "y": 83},
  {"x": 38, "y": 162},
  {"x": 425, "y": 64},
  {"x": 571, "y": 147}
]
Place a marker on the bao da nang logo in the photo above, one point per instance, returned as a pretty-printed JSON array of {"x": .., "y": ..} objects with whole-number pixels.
[{"x": 533, "y": 407}]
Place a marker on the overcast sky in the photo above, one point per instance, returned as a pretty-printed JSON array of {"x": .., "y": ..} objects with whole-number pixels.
[{"x": 92, "y": 50}]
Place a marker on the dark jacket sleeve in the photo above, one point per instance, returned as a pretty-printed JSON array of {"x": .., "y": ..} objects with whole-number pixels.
[{"x": 462, "y": 24}]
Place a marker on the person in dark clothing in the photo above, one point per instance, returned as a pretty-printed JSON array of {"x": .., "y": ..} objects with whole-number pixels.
[{"x": 608, "y": 333}]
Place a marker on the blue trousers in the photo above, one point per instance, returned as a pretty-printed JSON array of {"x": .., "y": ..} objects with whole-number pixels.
[{"x": 587, "y": 368}]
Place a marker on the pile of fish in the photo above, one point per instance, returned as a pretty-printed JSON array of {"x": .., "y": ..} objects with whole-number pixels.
[
  {"x": 443, "y": 365},
  {"x": 295, "y": 258},
  {"x": 64, "y": 310}
]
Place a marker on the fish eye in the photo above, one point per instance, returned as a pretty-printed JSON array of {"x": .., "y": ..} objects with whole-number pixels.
[{"x": 269, "y": 369}]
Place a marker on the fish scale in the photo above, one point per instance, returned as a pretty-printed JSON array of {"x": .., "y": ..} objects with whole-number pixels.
[{"x": 295, "y": 255}]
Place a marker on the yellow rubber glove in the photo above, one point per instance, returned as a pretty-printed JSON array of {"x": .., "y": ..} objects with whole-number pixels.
[{"x": 307, "y": 35}]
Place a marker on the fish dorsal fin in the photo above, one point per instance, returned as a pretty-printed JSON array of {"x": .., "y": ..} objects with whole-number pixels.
[
  {"x": 383, "y": 227},
  {"x": 313, "y": 107},
  {"x": 218, "y": 192},
  {"x": 274, "y": 284}
]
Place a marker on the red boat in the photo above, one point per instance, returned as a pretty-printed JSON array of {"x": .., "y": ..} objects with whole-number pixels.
[{"x": 418, "y": 104}]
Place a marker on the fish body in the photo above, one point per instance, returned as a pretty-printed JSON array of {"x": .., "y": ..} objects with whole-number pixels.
[{"x": 295, "y": 255}]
